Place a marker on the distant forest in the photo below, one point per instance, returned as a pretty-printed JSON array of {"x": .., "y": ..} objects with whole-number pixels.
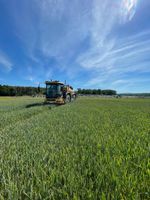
[
  {"x": 96, "y": 92},
  {"x": 6, "y": 90}
]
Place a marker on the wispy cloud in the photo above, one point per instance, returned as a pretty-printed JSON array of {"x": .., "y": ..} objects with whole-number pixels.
[
  {"x": 132, "y": 84},
  {"x": 53, "y": 30},
  {"x": 65, "y": 38},
  {"x": 128, "y": 10},
  {"x": 57, "y": 28},
  {"x": 105, "y": 17},
  {"x": 130, "y": 81},
  {"x": 5, "y": 63},
  {"x": 110, "y": 57},
  {"x": 125, "y": 53},
  {"x": 30, "y": 78}
]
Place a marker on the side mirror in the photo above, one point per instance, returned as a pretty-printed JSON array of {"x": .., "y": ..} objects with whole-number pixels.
[{"x": 61, "y": 89}]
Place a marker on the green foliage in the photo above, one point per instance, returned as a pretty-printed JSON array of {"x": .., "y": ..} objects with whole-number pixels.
[
  {"x": 90, "y": 149},
  {"x": 96, "y": 91},
  {"x": 6, "y": 90}
]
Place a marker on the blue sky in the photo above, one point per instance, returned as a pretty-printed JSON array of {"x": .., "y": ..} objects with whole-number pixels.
[{"x": 91, "y": 43}]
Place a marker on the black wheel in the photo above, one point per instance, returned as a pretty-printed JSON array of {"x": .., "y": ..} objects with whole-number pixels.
[
  {"x": 73, "y": 97},
  {"x": 68, "y": 99}
]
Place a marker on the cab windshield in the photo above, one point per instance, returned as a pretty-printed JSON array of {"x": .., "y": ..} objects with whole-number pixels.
[{"x": 53, "y": 91}]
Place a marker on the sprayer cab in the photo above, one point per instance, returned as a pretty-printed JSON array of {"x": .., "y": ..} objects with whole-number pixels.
[{"x": 59, "y": 93}]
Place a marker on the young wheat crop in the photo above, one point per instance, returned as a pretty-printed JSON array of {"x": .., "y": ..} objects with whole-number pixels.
[{"x": 90, "y": 149}]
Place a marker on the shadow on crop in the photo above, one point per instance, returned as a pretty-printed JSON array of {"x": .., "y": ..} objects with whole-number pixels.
[{"x": 41, "y": 104}]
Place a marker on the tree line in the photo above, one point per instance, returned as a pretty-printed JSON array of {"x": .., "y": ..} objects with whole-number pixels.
[
  {"x": 6, "y": 90},
  {"x": 96, "y": 91}
]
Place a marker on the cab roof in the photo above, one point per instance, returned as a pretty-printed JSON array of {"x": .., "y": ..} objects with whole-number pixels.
[{"x": 53, "y": 83}]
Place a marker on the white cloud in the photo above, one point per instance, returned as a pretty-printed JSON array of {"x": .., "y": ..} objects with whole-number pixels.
[
  {"x": 106, "y": 15},
  {"x": 30, "y": 78},
  {"x": 56, "y": 28},
  {"x": 130, "y": 80},
  {"x": 52, "y": 29},
  {"x": 116, "y": 57},
  {"x": 128, "y": 10},
  {"x": 5, "y": 63}
]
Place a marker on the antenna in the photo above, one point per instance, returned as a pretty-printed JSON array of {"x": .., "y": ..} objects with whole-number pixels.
[{"x": 39, "y": 88}]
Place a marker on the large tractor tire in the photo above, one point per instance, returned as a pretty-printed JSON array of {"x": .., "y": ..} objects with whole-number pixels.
[
  {"x": 67, "y": 99},
  {"x": 73, "y": 98}
]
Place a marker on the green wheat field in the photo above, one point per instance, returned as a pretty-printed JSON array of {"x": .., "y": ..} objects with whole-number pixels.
[{"x": 89, "y": 149}]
